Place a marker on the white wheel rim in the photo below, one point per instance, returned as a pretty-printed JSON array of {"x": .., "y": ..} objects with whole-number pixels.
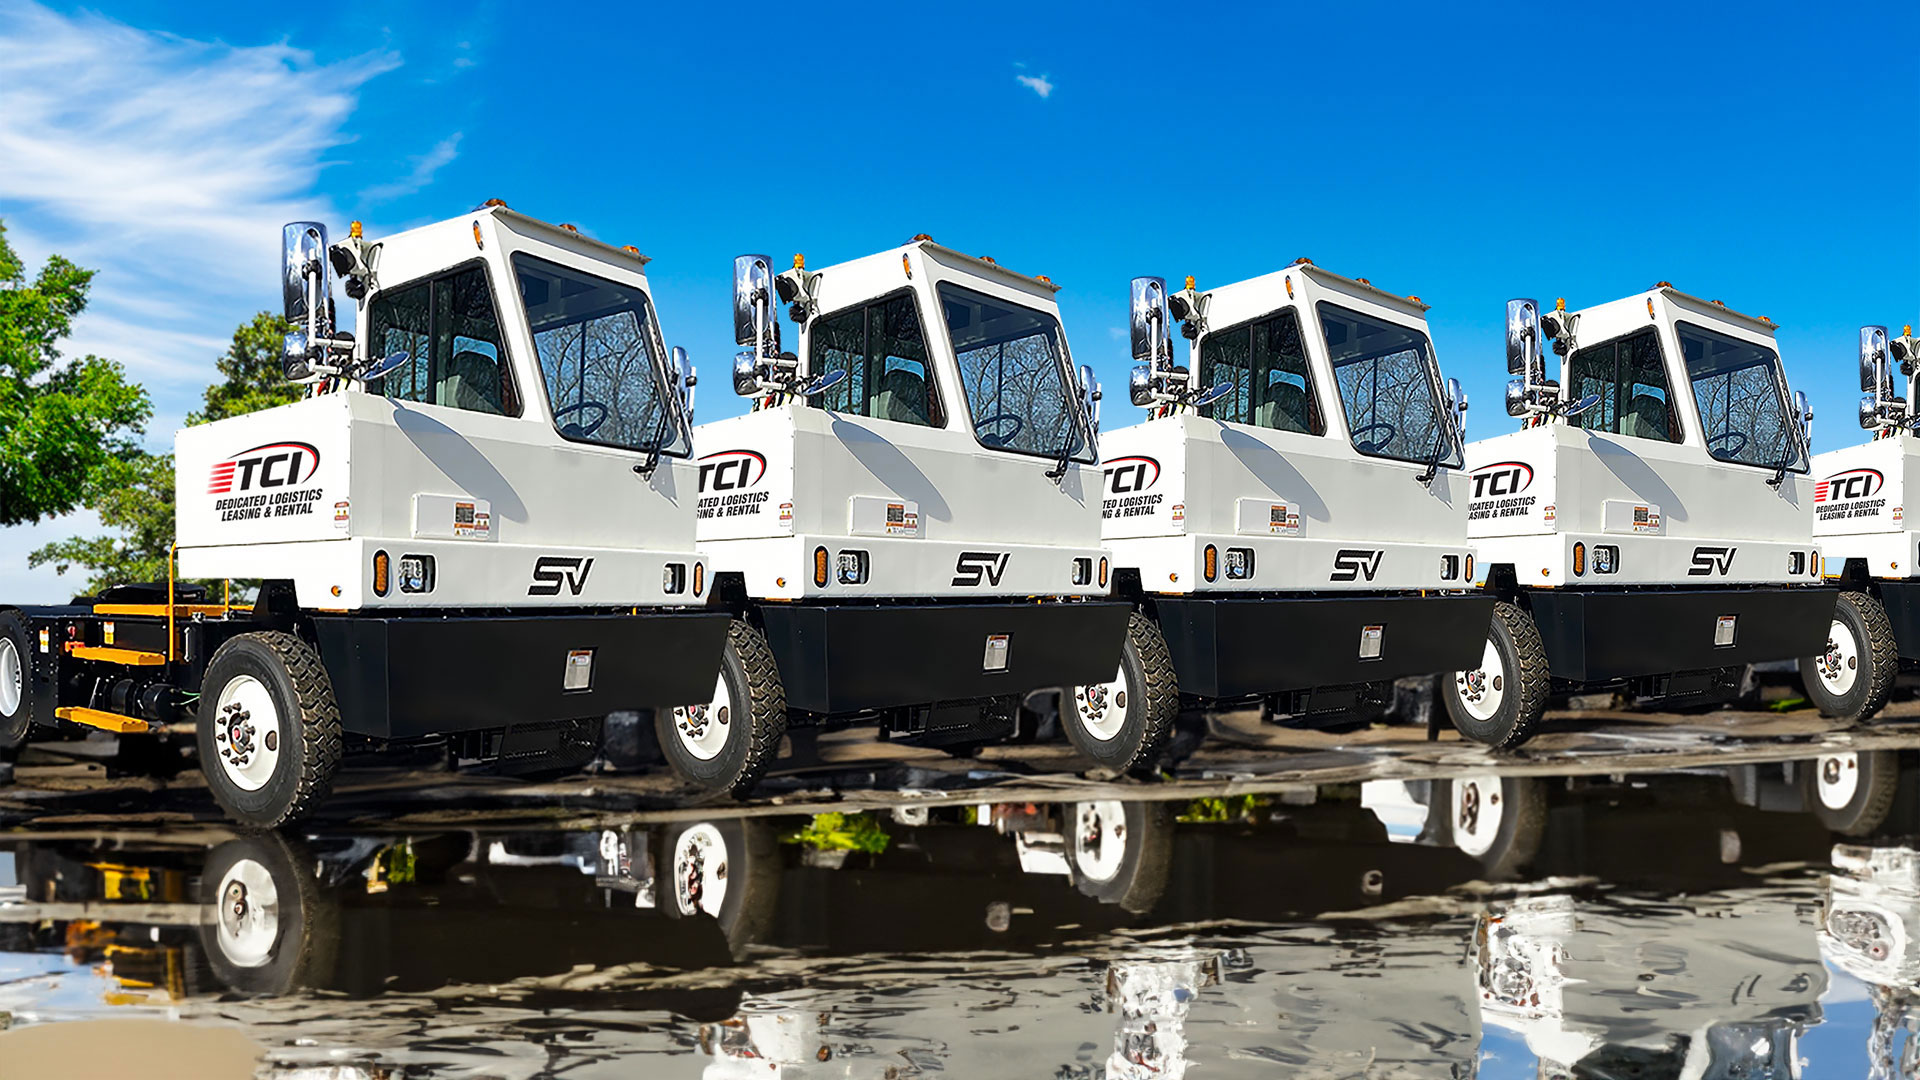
[
  {"x": 1099, "y": 839},
  {"x": 1839, "y": 666},
  {"x": 247, "y": 733},
  {"x": 1482, "y": 689},
  {"x": 12, "y": 678},
  {"x": 702, "y": 729},
  {"x": 1478, "y": 808},
  {"x": 1104, "y": 707},
  {"x": 249, "y": 914},
  {"x": 700, "y": 871},
  {"x": 1837, "y": 778}
]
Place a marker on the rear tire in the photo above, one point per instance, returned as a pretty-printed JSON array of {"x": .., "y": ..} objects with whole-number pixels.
[
  {"x": 268, "y": 729},
  {"x": 16, "y": 682},
  {"x": 1500, "y": 703},
  {"x": 1125, "y": 724},
  {"x": 1852, "y": 794},
  {"x": 727, "y": 743},
  {"x": 1853, "y": 678}
]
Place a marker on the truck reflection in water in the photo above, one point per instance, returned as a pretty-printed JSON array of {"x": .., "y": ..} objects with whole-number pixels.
[{"x": 1665, "y": 925}]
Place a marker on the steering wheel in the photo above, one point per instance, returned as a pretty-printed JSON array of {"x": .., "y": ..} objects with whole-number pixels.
[
  {"x": 1734, "y": 451},
  {"x": 1002, "y": 419},
  {"x": 1367, "y": 444},
  {"x": 580, "y": 431}
]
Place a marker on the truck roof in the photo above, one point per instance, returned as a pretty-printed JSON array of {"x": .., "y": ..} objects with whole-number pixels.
[
  {"x": 1713, "y": 309},
  {"x": 526, "y": 225},
  {"x": 1411, "y": 306}
]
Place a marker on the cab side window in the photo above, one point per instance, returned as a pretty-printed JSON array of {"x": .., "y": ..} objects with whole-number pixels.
[
  {"x": 883, "y": 350},
  {"x": 1266, "y": 365},
  {"x": 1628, "y": 375},
  {"x": 450, "y": 331}
]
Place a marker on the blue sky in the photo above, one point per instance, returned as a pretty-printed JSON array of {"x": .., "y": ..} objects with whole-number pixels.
[{"x": 1764, "y": 155}]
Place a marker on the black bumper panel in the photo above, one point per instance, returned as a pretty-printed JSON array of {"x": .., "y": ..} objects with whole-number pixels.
[
  {"x": 1901, "y": 599},
  {"x": 1595, "y": 637},
  {"x": 1241, "y": 647},
  {"x": 409, "y": 677},
  {"x": 837, "y": 659}
]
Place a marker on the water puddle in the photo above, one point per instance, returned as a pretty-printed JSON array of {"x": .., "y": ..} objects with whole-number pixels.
[{"x": 1751, "y": 921}]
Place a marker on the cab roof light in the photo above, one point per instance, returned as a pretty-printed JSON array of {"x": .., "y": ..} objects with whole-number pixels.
[
  {"x": 1559, "y": 303},
  {"x": 919, "y": 237},
  {"x": 1043, "y": 279},
  {"x": 570, "y": 228},
  {"x": 1189, "y": 281},
  {"x": 1663, "y": 284},
  {"x": 1415, "y": 299},
  {"x": 1363, "y": 281},
  {"x": 799, "y": 261},
  {"x": 1303, "y": 261},
  {"x": 353, "y": 230},
  {"x": 988, "y": 259},
  {"x": 501, "y": 203}
]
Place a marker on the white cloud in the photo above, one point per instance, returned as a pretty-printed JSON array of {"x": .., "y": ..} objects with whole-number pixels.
[
  {"x": 168, "y": 166},
  {"x": 424, "y": 167},
  {"x": 1036, "y": 83}
]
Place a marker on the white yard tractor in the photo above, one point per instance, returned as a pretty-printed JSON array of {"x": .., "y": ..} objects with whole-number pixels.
[
  {"x": 477, "y": 531},
  {"x": 905, "y": 527},
  {"x": 1859, "y": 517},
  {"x": 1289, "y": 524},
  {"x": 1650, "y": 527}
]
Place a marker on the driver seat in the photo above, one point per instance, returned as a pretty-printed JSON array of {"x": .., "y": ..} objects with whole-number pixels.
[
  {"x": 1284, "y": 410},
  {"x": 1647, "y": 418},
  {"x": 473, "y": 383},
  {"x": 902, "y": 397}
]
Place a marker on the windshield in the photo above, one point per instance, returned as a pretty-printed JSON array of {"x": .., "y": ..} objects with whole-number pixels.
[
  {"x": 1389, "y": 387},
  {"x": 1742, "y": 398},
  {"x": 601, "y": 359},
  {"x": 1013, "y": 366}
]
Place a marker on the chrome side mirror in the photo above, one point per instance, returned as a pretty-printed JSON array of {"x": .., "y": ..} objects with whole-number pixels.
[
  {"x": 1457, "y": 401},
  {"x": 1517, "y": 397},
  {"x": 683, "y": 378},
  {"x": 1523, "y": 338},
  {"x": 753, "y": 321},
  {"x": 1090, "y": 396},
  {"x": 303, "y": 249},
  {"x": 1876, "y": 377},
  {"x": 746, "y": 374},
  {"x": 1140, "y": 385},
  {"x": 1803, "y": 418},
  {"x": 1869, "y": 412},
  {"x": 1151, "y": 338}
]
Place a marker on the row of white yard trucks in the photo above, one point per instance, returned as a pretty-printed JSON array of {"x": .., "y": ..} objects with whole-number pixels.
[{"x": 491, "y": 525}]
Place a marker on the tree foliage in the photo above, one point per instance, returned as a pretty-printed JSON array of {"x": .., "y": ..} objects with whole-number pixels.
[
  {"x": 135, "y": 498},
  {"x": 63, "y": 423}
]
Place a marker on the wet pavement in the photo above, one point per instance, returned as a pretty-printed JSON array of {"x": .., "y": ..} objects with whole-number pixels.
[{"x": 1720, "y": 895}]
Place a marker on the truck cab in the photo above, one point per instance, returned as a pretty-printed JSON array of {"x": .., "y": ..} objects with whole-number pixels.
[
  {"x": 1651, "y": 523},
  {"x": 1288, "y": 516},
  {"x": 476, "y": 530},
  {"x": 905, "y": 524},
  {"x": 1859, "y": 508}
]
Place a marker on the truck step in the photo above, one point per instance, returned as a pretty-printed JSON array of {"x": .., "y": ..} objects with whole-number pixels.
[
  {"x": 112, "y": 655},
  {"x": 105, "y": 721}
]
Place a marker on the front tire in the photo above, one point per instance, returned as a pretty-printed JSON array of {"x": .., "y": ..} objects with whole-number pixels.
[
  {"x": 1852, "y": 679},
  {"x": 1852, "y": 794},
  {"x": 1500, "y": 703},
  {"x": 1121, "y": 852},
  {"x": 728, "y": 870},
  {"x": 1125, "y": 724},
  {"x": 727, "y": 743},
  {"x": 268, "y": 729}
]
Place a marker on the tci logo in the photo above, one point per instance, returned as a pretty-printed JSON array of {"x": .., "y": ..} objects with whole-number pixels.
[
  {"x": 731, "y": 470},
  {"x": 1848, "y": 484},
  {"x": 1501, "y": 478},
  {"x": 1126, "y": 475},
  {"x": 274, "y": 465}
]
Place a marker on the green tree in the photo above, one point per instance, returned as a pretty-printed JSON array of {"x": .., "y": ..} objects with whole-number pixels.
[
  {"x": 63, "y": 423},
  {"x": 135, "y": 498}
]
